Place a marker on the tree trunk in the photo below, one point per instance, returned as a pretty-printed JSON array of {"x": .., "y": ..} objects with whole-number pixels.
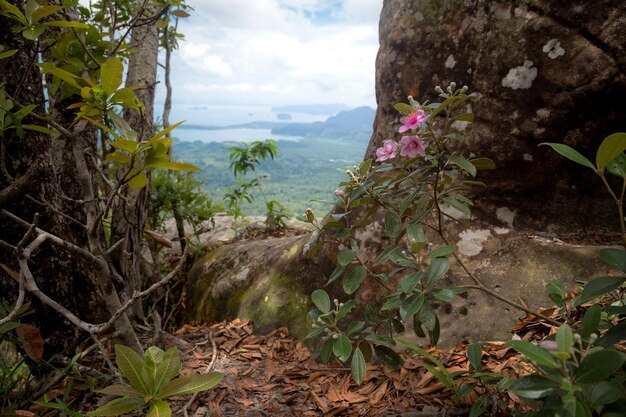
[{"x": 129, "y": 217}]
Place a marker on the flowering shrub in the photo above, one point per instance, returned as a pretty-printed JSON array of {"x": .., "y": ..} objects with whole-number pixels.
[{"x": 416, "y": 177}]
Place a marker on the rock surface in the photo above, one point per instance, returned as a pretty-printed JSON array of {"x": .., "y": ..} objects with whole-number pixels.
[{"x": 544, "y": 71}]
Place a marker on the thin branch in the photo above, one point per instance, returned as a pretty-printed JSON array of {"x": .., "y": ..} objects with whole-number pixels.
[
  {"x": 20, "y": 295},
  {"x": 57, "y": 211}
]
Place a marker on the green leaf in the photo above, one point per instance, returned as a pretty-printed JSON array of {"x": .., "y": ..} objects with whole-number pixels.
[
  {"x": 355, "y": 326},
  {"x": 564, "y": 338},
  {"x": 533, "y": 387},
  {"x": 601, "y": 286},
  {"x": 377, "y": 339},
  {"x": 358, "y": 366},
  {"x": 570, "y": 153},
  {"x": 118, "y": 407},
  {"x": 167, "y": 130},
  {"x": 617, "y": 166},
  {"x": 353, "y": 279},
  {"x": 175, "y": 166},
  {"x": 474, "y": 354},
  {"x": 321, "y": 300},
  {"x": 66, "y": 76},
  {"x": 336, "y": 274},
  {"x": 345, "y": 257},
  {"x": 440, "y": 252},
  {"x": 160, "y": 409},
  {"x": 167, "y": 368},
  {"x": 123, "y": 127},
  {"x": 189, "y": 385},
  {"x": 437, "y": 268},
  {"x": 384, "y": 256},
  {"x": 591, "y": 321},
  {"x": 120, "y": 390},
  {"x": 404, "y": 108},
  {"x": 464, "y": 117},
  {"x": 536, "y": 354},
  {"x": 411, "y": 305},
  {"x": 130, "y": 364},
  {"x": 457, "y": 205},
  {"x": 7, "y": 54},
  {"x": 427, "y": 317},
  {"x": 364, "y": 167},
  {"x": 612, "y": 146},
  {"x": 479, "y": 406},
  {"x": 599, "y": 366},
  {"x": 11, "y": 9},
  {"x": 409, "y": 282},
  {"x": 111, "y": 73},
  {"x": 66, "y": 24},
  {"x": 342, "y": 348},
  {"x": 126, "y": 145},
  {"x": 483, "y": 163},
  {"x": 393, "y": 224},
  {"x": 118, "y": 157},
  {"x": 40, "y": 129},
  {"x": 415, "y": 233},
  {"x": 463, "y": 164},
  {"x": 616, "y": 334},
  {"x": 44, "y": 11},
  {"x": 388, "y": 356},
  {"x": 138, "y": 181},
  {"x": 614, "y": 257},
  {"x": 606, "y": 392},
  {"x": 326, "y": 350},
  {"x": 444, "y": 294}
]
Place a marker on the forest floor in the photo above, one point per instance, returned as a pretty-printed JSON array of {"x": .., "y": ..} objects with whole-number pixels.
[{"x": 273, "y": 374}]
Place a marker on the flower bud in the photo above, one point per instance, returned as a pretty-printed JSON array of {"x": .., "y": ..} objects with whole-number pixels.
[
  {"x": 335, "y": 336},
  {"x": 314, "y": 325},
  {"x": 336, "y": 302},
  {"x": 339, "y": 193},
  {"x": 453, "y": 85},
  {"x": 438, "y": 90},
  {"x": 309, "y": 215},
  {"x": 592, "y": 338},
  {"x": 464, "y": 89}
]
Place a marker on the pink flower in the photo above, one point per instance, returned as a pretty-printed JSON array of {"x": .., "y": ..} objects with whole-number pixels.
[
  {"x": 412, "y": 121},
  {"x": 387, "y": 151},
  {"x": 412, "y": 146}
]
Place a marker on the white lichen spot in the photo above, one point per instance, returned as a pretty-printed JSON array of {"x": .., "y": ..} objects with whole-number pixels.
[
  {"x": 471, "y": 242},
  {"x": 506, "y": 215},
  {"x": 450, "y": 62},
  {"x": 453, "y": 213},
  {"x": 528, "y": 157},
  {"x": 553, "y": 49},
  {"x": 501, "y": 230},
  {"x": 267, "y": 298},
  {"x": 418, "y": 16},
  {"x": 515, "y": 131},
  {"x": 543, "y": 113},
  {"x": 459, "y": 125},
  {"x": 520, "y": 77},
  {"x": 515, "y": 114}
]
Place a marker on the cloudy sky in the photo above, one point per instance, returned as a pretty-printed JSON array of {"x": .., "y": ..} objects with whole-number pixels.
[{"x": 241, "y": 53}]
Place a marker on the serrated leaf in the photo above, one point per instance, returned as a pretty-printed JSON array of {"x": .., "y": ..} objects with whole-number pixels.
[
  {"x": 357, "y": 366},
  {"x": 474, "y": 354},
  {"x": 533, "y": 352},
  {"x": 160, "y": 409},
  {"x": 612, "y": 146},
  {"x": 176, "y": 166},
  {"x": 353, "y": 279},
  {"x": 120, "y": 390},
  {"x": 130, "y": 364},
  {"x": 411, "y": 305},
  {"x": 342, "y": 347},
  {"x": 570, "y": 153},
  {"x": 118, "y": 407},
  {"x": 189, "y": 385},
  {"x": 463, "y": 164},
  {"x": 321, "y": 300},
  {"x": 139, "y": 181},
  {"x": 111, "y": 73}
]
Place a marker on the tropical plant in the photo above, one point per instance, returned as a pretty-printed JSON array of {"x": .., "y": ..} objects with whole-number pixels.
[{"x": 150, "y": 382}]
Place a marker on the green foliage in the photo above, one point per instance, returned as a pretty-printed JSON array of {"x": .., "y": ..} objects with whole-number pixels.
[
  {"x": 411, "y": 191},
  {"x": 151, "y": 381}
]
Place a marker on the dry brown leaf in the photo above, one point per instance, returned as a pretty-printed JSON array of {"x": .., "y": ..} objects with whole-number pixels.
[
  {"x": 431, "y": 389},
  {"x": 31, "y": 339},
  {"x": 378, "y": 394},
  {"x": 270, "y": 369},
  {"x": 320, "y": 402}
]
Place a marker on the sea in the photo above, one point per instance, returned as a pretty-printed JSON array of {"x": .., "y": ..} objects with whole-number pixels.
[{"x": 232, "y": 115}]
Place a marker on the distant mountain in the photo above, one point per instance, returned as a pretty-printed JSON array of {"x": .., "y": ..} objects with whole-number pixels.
[
  {"x": 351, "y": 124},
  {"x": 315, "y": 109}
]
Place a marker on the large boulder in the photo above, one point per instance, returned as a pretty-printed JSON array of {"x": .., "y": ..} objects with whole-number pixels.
[{"x": 544, "y": 71}]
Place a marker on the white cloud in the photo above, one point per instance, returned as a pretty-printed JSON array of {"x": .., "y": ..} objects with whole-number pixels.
[{"x": 272, "y": 52}]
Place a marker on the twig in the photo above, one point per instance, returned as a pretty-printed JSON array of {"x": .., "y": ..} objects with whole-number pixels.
[
  {"x": 208, "y": 368},
  {"x": 20, "y": 296}
]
